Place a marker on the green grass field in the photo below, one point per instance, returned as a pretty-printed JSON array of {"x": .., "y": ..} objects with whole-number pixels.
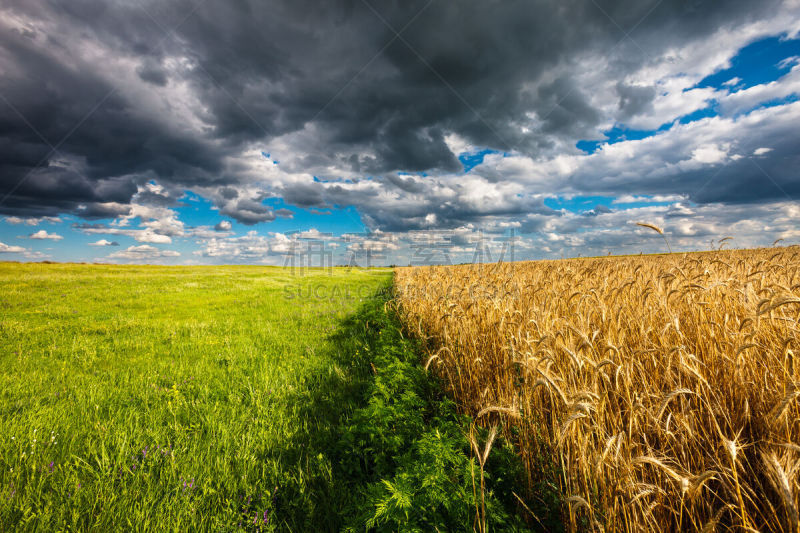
[{"x": 136, "y": 396}]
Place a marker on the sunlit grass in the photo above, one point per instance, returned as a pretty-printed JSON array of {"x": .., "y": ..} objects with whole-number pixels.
[{"x": 161, "y": 398}]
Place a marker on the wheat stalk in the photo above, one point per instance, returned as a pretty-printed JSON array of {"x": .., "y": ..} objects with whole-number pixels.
[{"x": 657, "y": 230}]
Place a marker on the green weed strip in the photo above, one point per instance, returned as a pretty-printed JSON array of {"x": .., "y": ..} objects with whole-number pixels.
[{"x": 407, "y": 451}]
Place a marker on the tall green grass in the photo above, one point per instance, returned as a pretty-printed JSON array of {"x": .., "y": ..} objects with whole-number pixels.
[{"x": 162, "y": 398}]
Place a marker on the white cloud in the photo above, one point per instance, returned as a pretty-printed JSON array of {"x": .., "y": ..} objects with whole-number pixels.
[
  {"x": 36, "y": 255},
  {"x": 670, "y": 104},
  {"x": 103, "y": 242},
  {"x": 709, "y": 154},
  {"x": 42, "y": 234},
  {"x": 251, "y": 246},
  {"x": 311, "y": 234},
  {"x": 7, "y": 249},
  {"x": 157, "y": 225},
  {"x": 457, "y": 144},
  {"x": 155, "y": 220},
  {"x": 152, "y": 237},
  {"x": 750, "y": 98},
  {"x": 658, "y": 198},
  {"x": 141, "y": 253},
  {"x": 207, "y": 232},
  {"x": 374, "y": 245},
  {"x": 762, "y": 151},
  {"x": 32, "y": 221},
  {"x": 140, "y": 235}
]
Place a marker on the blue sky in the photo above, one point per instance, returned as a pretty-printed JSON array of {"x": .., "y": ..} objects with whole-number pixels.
[{"x": 696, "y": 134}]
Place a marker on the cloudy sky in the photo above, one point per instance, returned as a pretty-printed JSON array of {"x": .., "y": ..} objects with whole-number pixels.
[{"x": 249, "y": 131}]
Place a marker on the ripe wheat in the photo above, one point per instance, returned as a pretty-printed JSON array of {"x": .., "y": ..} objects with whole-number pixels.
[{"x": 665, "y": 388}]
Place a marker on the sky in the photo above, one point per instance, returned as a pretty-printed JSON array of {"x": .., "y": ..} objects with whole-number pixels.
[{"x": 377, "y": 132}]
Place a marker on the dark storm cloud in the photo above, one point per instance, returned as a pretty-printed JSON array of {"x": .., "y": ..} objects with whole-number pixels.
[
  {"x": 406, "y": 184},
  {"x": 634, "y": 100},
  {"x": 159, "y": 196},
  {"x": 68, "y": 135},
  {"x": 152, "y": 72},
  {"x": 565, "y": 108},
  {"x": 248, "y": 211},
  {"x": 228, "y": 193},
  {"x": 304, "y": 195},
  {"x": 258, "y": 70}
]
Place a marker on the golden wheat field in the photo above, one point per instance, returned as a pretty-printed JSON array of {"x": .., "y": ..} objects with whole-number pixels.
[{"x": 656, "y": 392}]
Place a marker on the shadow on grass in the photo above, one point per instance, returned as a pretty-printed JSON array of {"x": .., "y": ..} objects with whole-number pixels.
[
  {"x": 319, "y": 492},
  {"x": 382, "y": 449}
]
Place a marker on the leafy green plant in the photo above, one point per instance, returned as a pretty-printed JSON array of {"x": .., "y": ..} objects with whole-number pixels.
[{"x": 413, "y": 448}]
